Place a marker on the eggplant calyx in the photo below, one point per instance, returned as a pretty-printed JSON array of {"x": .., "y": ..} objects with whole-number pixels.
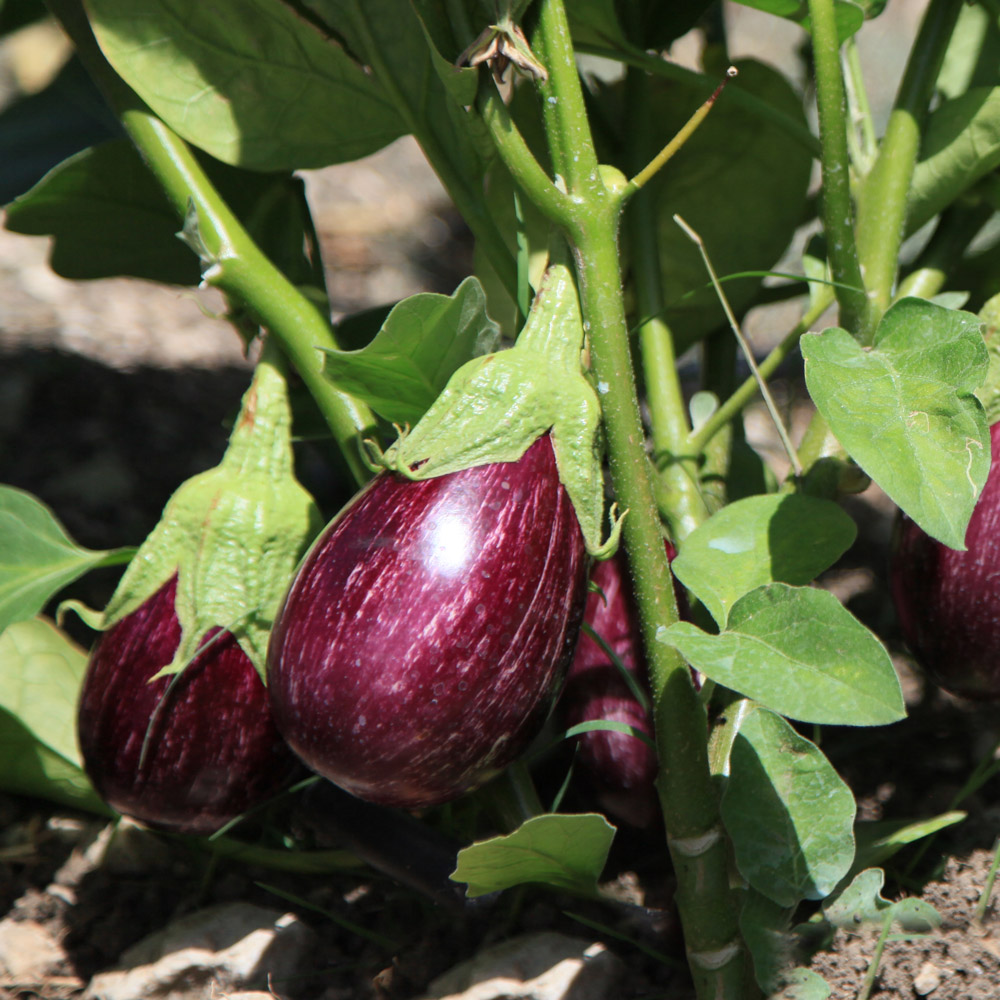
[
  {"x": 232, "y": 535},
  {"x": 496, "y": 406}
]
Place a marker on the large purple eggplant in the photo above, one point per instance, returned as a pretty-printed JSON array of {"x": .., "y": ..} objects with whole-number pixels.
[
  {"x": 428, "y": 630},
  {"x": 187, "y": 752},
  {"x": 948, "y": 602},
  {"x": 621, "y": 767}
]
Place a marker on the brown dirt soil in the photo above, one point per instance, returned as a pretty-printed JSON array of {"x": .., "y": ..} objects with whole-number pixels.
[{"x": 960, "y": 961}]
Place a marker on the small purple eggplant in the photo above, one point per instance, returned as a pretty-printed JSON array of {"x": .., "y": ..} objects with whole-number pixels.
[
  {"x": 187, "y": 752},
  {"x": 621, "y": 767},
  {"x": 948, "y": 602},
  {"x": 428, "y": 630}
]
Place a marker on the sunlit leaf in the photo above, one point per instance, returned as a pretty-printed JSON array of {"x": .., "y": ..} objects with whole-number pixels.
[
  {"x": 568, "y": 851},
  {"x": 800, "y": 652},
  {"x": 905, "y": 409}
]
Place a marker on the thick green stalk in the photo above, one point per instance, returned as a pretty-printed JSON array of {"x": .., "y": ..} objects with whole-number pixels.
[
  {"x": 882, "y": 201},
  {"x": 694, "y": 833},
  {"x": 668, "y": 418},
  {"x": 235, "y": 263},
  {"x": 838, "y": 210}
]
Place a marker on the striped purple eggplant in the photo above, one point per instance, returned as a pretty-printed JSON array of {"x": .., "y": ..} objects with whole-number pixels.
[
  {"x": 621, "y": 767},
  {"x": 187, "y": 752},
  {"x": 428, "y": 630},
  {"x": 948, "y": 602}
]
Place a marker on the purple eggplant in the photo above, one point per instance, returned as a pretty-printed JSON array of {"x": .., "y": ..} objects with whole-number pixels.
[
  {"x": 187, "y": 752},
  {"x": 948, "y": 602},
  {"x": 621, "y": 767},
  {"x": 428, "y": 630}
]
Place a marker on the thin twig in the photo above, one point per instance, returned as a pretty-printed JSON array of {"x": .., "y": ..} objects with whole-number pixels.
[{"x": 779, "y": 425}]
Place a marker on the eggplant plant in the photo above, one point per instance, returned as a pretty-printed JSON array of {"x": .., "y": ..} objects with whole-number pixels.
[{"x": 504, "y": 436}]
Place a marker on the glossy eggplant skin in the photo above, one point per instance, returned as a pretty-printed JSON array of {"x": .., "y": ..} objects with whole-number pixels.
[
  {"x": 948, "y": 602},
  {"x": 621, "y": 768},
  {"x": 428, "y": 630},
  {"x": 212, "y": 750}
]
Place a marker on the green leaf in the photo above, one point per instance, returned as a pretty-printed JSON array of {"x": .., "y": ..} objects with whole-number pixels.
[
  {"x": 764, "y": 925},
  {"x": 798, "y": 651},
  {"x": 110, "y": 217},
  {"x": 862, "y": 902},
  {"x": 789, "y": 814},
  {"x": 40, "y": 676},
  {"x": 37, "y": 557},
  {"x": 961, "y": 145},
  {"x": 905, "y": 409},
  {"x": 232, "y": 534},
  {"x": 567, "y": 851},
  {"x": 849, "y": 16},
  {"x": 423, "y": 341},
  {"x": 880, "y": 840},
  {"x": 802, "y": 984},
  {"x": 740, "y": 181},
  {"x": 787, "y": 538},
  {"x": 250, "y": 81},
  {"x": 989, "y": 392}
]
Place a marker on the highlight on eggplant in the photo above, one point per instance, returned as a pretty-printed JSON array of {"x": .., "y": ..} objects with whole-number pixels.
[
  {"x": 428, "y": 630},
  {"x": 187, "y": 752},
  {"x": 948, "y": 602}
]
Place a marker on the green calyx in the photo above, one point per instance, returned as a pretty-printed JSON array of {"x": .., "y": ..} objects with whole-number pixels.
[
  {"x": 233, "y": 535},
  {"x": 496, "y": 406}
]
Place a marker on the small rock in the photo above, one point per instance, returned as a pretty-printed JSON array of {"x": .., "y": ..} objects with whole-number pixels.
[
  {"x": 927, "y": 980},
  {"x": 543, "y": 966},
  {"x": 237, "y": 946},
  {"x": 28, "y": 952}
]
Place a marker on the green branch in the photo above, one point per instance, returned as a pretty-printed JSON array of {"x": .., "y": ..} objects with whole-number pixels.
[
  {"x": 668, "y": 417},
  {"x": 882, "y": 202},
  {"x": 235, "y": 264},
  {"x": 838, "y": 209}
]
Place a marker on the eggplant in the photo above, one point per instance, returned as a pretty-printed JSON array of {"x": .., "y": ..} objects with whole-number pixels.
[
  {"x": 426, "y": 633},
  {"x": 621, "y": 767},
  {"x": 186, "y": 752},
  {"x": 948, "y": 602}
]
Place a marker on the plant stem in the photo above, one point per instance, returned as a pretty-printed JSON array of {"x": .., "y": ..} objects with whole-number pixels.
[
  {"x": 838, "y": 211},
  {"x": 868, "y": 145},
  {"x": 668, "y": 417},
  {"x": 882, "y": 201},
  {"x": 869, "y": 981},
  {"x": 237, "y": 265},
  {"x": 984, "y": 897},
  {"x": 690, "y": 806}
]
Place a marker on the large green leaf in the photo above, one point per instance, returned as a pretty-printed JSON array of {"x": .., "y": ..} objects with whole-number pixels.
[
  {"x": 108, "y": 216},
  {"x": 740, "y": 181},
  {"x": 423, "y": 341},
  {"x": 905, "y": 409},
  {"x": 849, "y": 16},
  {"x": 788, "y": 813},
  {"x": 40, "y": 675},
  {"x": 658, "y": 22},
  {"x": 789, "y": 539},
  {"x": 798, "y": 651},
  {"x": 249, "y": 81},
  {"x": 37, "y": 557},
  {"x": 568, "y": 851},
  {"x": 961, "y": 144}
]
